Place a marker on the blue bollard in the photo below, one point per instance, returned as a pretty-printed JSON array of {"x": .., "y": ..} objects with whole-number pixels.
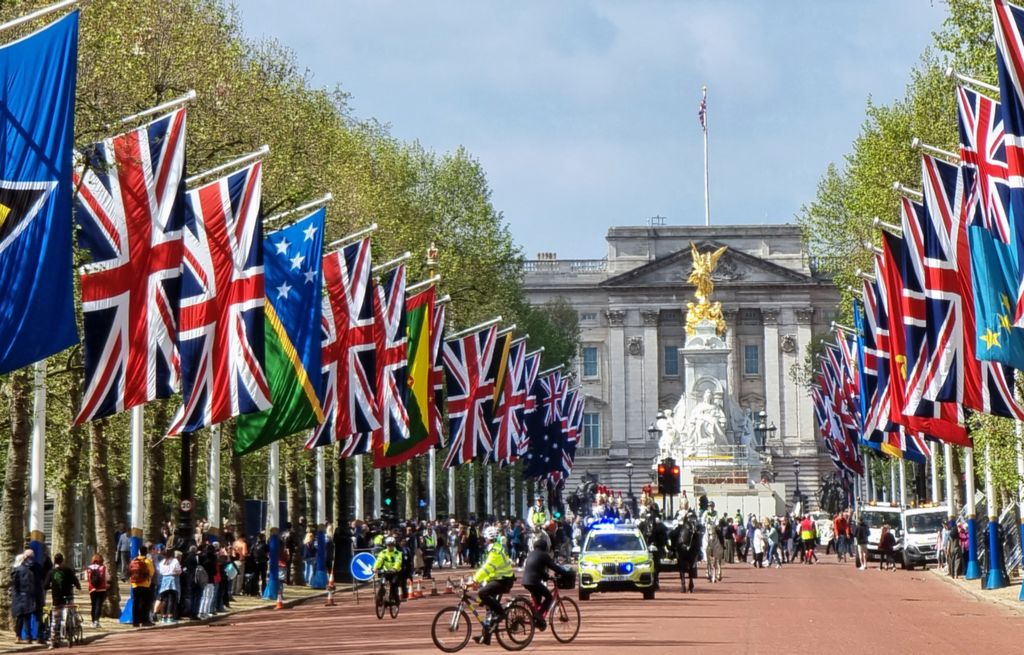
[
  {"x": 973, "y": 570},
  {"x": 996, "y": 578}
]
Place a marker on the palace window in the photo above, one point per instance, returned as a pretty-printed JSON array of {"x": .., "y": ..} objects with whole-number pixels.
[
  {"x": 588, "y": 317},
  {"x": 671, "y": 365},
  {"x": 751, "y": 360},
  {"x": 591, "y": 430},
  {"x": 590, "y": 361}
]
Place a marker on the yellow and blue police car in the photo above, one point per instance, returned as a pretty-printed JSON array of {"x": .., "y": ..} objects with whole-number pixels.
[{"x": 614, "y": 557}]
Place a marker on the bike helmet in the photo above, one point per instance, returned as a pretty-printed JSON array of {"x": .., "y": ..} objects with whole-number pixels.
[
  {"x": 389, "y": 541},
  {"x": 490, "y": 533}
]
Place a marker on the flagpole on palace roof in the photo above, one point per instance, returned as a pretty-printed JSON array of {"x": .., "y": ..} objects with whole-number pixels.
[
  {"x": 704, "y": 125},
  {"x": 37, "y": 14}
]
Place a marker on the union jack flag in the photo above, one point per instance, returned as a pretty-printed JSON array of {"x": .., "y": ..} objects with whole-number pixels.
[
  {"x": 1009, "y": 26},
  {"x": 900, "y": 291},
  {"x": 983, "y": 162},
  {"x": 875, "y": 334},
  {"x": 130, "y": 211},
  {"x": 531, "y": 367},
  {"x": 564, "y": 448},
  {"x": 392, "y": 358},
  {"x": 221, "y": 326},
  {"x": 508, "y": 420},
  {"x": 467, "y": 361},
  {"x": 437, "y": 375},
  {"x": 348, "y": 355}
]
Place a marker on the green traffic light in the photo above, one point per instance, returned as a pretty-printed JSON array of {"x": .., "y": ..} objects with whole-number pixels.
[{"x": 387, "y": 501}]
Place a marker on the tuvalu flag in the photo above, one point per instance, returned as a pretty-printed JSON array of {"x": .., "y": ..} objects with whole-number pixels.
[
  {"x": 37, "y": 305},
  {"x": 292, "y": 266},
  {"x": 419, "y": 390}
]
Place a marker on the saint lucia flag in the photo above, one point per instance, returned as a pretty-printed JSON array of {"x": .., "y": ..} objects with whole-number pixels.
[
  {"x": 292, "y": 266},
  {"x": 37, "y": 101}
]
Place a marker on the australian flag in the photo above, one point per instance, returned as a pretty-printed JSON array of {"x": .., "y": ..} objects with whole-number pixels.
[{"x": 37, "y": 306}]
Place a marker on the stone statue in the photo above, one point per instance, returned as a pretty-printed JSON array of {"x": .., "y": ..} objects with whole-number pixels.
[{"x": 706, "y": 423}]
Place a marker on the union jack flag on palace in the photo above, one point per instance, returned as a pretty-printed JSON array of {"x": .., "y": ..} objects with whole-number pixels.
[
  {"x": 392, "y": 358},
  {"x": 467, "y": 361},
  {"x": 130, "y": 208},
  {"x": 348, "y": 355},
  {"x": 508, "y": 420},
  {"x": 221, "y": 326}
]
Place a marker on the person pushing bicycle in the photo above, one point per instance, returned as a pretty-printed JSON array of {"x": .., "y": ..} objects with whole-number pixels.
[
  {"x": 496, "y": 577},
  {"x": 389, "y": 563},
  {"x": 535, "y": 573}
]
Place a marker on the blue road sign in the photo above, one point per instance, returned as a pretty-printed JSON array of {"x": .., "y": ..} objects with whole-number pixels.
[{"x": 362, "y": 566}]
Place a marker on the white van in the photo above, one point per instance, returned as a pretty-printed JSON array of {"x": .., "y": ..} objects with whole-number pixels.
[
  {"x": 876, "y": 515},
  {"x": 921, "y": 529}
]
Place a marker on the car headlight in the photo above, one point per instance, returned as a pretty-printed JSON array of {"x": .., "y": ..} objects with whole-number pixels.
[
  {"x": 591, "y": 566},
  {"x": 643, "y": 566}
]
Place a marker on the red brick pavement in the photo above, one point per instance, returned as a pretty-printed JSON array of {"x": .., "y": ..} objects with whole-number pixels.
[{"x": 826, "y": 608}]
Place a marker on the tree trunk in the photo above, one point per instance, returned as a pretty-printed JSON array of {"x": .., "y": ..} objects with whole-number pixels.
[
  {"x": 291, "y": 475},
  {"x": 12, "y": 513},
  {"x": 154, "y": 463},
  {"x": 309, "y": 489},
  {"x": 236, "y": 506},
  {"x": 65, "y": 504},
  {"x": 99, "y": 480},
  {"x": 336, "y": 508},
  {"x": 119, "y": 501}
]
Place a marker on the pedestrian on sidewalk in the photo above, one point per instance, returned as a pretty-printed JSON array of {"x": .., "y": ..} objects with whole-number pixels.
[
  {"x": 887, "y": 549},
  {"x": 954, "y": 553},
  {"x": 241, "y": 548},
  {"x": 308, "y": 556},
  {"x": 96, "y": 576},
  {"x": 124, "y": 554},
  {"x": 861, "y": 534},
  {"x": 169, "y": 589},
  {"x": 62, "y": 582},
  {"x": 25, "y": 600},
  {"x": 140, "y": 576}
]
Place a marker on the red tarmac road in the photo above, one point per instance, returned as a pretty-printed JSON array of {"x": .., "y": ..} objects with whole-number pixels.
[{"x": 835, "y": 607}]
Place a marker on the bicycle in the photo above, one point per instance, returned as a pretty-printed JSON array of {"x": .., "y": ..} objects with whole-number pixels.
[
  {"x": 452, "y": 629},
  {"x": 564, "y": 613},
  {"x": 70, "y": 632},
  {"x": 385, "y": 596}
]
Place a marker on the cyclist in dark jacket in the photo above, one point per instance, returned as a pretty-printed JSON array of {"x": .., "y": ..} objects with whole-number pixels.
[{"x": 535, "y": 575}]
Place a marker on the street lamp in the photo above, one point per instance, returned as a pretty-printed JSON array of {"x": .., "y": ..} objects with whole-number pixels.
[
  {"x": 763, "y": 430},
  {"x": 629, "y": 491},
  {"x": 796, "y": 492}
]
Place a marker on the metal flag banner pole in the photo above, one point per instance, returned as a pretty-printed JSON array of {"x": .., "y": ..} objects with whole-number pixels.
[
  {"x": 704, "y": 125},
  {"x": 505, "y": 330},
  {"x": 39, "y": 13},
  {"x": 413, "y": 288},
  {"x": 442, "y": 300},
  {"x": 355, "y": 236},
  {"x": 388, "y": 265},
  {"x": 475, "y": 328},
  {"x": 1020, "y": 486},
  {"x": 950, "y": 73},
  {"x": 947, "y": 456},
  {"x": 312, "y": 204},
  {"x": 972, "y": 570},
  {"x": 273, "y": 587},
  {"x": 894, "y": 230},
  {"x": 319, "y": 577},
  {"x": 135, "y": 500},
  {"x": 170, "y": 104},
  {"x": 37, "y": 484},
  {"x": 898, "y": 187},
  {"x": 551, "y": 370},
  {"x": 933, "y": 461},
  {"x": 234, "y": 163},
  {"x": 917, "y": 144},
  {"x": 996, "y": 578},
  {"x": 213, "y": 480}
]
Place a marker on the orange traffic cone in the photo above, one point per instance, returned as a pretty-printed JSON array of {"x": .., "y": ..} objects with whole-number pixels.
[
  {"x": 330, "y": 591},
  {"x": 449, "y": 588},
  {"x": 280, "y": 599},
  {"x": 433, "y": 587},
  {"x": 417, "y": 590}
]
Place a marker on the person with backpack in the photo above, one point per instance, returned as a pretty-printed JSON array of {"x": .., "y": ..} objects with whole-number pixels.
[
  {"x": 140, "y": 575},
  {"x": 97, "y": 585},
  {"x": 62, "y": 582}
]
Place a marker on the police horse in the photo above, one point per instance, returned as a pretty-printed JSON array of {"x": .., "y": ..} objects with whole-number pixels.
[{"x": 684, "y": 540}]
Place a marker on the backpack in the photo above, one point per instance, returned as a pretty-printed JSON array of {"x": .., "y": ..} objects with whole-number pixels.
[
  {"x": 138, "y": 572},
  {"x": 58, "y": 580},
  {"x": 96, "y": 577},
  {"x": 201, "y": 577}
]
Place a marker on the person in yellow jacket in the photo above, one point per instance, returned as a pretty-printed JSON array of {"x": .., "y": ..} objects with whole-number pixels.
[
  {"x": 496, "y": 576},
  {"x": 389, "y": 563}
]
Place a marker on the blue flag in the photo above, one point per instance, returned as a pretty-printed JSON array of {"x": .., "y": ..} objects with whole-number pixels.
[
  {"x": 993, "y": 269},
  {"x": 37, "y": 101}
]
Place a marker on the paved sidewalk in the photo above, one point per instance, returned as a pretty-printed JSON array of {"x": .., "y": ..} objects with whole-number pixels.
[
  {"x": 1008, "y": 596},
  {"x": 240, "y": 604}
]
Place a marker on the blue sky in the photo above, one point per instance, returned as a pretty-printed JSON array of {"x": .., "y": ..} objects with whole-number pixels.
[{"x": 584, "y": 114}]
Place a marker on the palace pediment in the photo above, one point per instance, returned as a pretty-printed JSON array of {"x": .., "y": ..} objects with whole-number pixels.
[{"x": 734, "y": 268}]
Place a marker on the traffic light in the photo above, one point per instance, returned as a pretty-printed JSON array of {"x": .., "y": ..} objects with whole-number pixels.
[
  {"x": 673, "y": 478},
  {"x": 389, "y": 501},
  {"x": 663, "y": 482}
]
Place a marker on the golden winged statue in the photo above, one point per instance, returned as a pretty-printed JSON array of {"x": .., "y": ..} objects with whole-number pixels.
[{"x": 700, "y": 276}]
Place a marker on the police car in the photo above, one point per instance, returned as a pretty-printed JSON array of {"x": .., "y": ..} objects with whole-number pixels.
[{"x": 614, "y": 557}]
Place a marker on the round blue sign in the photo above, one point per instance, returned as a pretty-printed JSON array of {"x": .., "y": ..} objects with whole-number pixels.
[{"x": 362, "y": 566}]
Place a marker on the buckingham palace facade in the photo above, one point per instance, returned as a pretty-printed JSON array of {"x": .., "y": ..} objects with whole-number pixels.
[{"x": 631, "y": 307}]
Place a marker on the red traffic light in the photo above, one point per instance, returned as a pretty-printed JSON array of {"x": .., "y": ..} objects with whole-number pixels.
[
  {"x": 675, "y": 470},
  {"x": 661, "y": 469}
]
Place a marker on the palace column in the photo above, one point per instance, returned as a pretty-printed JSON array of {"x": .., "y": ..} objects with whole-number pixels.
[
  {"x": 735, "y": 358},
  {"x": 804, "y": 317},
  {"x": 772, "y": 373},
  {"x": 789, "y": 429},
  {"x": 652, "y": 369},
  {"x": 616, "y": 379}
]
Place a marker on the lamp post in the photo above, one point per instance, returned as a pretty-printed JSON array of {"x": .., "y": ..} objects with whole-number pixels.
[
  {"x": 629, "y": 491},
  {"x": 796, "y": 492},
  {"x": 764, "y": 430}
]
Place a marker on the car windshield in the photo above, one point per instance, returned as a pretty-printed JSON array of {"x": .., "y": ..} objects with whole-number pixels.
[
  {"x": 878, "y": 519},
  {"x": 609, "y": 541},
  {"x": 925, "y": 523}
]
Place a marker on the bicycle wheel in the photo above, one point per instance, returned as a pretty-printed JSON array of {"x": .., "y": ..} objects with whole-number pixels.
[
  {"x": 515, "y": 632},
  {"x": 393, "y": 608},
  {"x": 451, "y": 629},
  {"x": 378, "y": 602},
  {"x": 564, "y": 618}
]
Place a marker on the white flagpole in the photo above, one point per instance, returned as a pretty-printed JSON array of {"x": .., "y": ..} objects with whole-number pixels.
[
  {"x": 934, "y": 463},
  {"x": 707, "y": 195},
  {"x": 21, "y": 20},
  {"x": 471, "y": 505},
  {"x": 489, "y": 491},
  {"x": 432, "y": 483},
  {"x": 451, "y": 493},
  {"x": 37, "y": 486},
  {"x": 376, "y": 493},
  {"x": 321, "y": 487},
  {"x": 947, "y": 456},
  {"x": 357, "y": 489}
]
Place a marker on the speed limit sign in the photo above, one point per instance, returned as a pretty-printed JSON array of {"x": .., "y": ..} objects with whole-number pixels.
[{"x": 186, "y": 505}]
